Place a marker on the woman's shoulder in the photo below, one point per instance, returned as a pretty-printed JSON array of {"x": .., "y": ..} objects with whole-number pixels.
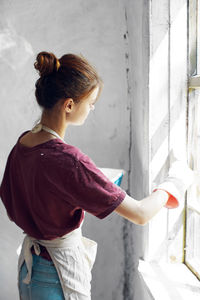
[
  {"x": 63, "y": 152},
  {"x": 56, "y": 150},
  {"x": 74, "y": 152}
]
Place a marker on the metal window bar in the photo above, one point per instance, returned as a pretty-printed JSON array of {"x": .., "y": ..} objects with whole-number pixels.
[
  {"x": 192, "y": 238},
  {"x": 194, "y": 82}
]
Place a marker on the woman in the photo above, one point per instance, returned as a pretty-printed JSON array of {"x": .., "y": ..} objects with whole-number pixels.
[{"x": 48, "y": 185}]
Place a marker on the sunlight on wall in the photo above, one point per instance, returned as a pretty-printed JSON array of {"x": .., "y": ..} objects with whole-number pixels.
[
  {"x": 15, "y": 50},
  {"x": 167, "y": 123}
]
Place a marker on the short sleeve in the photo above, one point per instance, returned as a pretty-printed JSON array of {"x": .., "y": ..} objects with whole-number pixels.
[{"x": 93, "y": 191}]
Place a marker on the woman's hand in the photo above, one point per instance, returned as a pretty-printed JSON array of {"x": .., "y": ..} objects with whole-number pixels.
[
  {"x": 169, "y": 194},
  {"x": 180, "y": 178}
]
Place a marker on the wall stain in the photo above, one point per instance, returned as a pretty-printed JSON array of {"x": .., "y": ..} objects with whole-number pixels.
[
  {"x": 112, "y": 105},
  {"x": 128, "y": 227},
  {"x": 114, "y": 135}
]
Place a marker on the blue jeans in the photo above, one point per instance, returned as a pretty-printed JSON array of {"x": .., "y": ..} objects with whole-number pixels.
[{"x": 45, "y": 283}]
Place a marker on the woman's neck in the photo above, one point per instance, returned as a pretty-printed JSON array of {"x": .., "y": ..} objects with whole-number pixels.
[{"x": 55, "y": 121}]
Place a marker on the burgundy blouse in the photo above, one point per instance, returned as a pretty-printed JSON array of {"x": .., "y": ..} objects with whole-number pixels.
[{"x": 46, "y": 189}]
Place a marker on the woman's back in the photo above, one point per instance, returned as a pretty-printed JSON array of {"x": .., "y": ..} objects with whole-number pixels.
[
  {"x": 47, "y": 187},
  {"x": 33, "y": 139}
]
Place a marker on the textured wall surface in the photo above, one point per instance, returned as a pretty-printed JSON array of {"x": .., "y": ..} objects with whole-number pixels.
[
  {"x": 114, "y": 36},
  {"x": 168, "y": 114},
  {"x": 94, "y": 29}
]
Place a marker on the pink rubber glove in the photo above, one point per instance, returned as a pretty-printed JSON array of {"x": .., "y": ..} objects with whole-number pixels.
[{"x": 180, "y": 178}]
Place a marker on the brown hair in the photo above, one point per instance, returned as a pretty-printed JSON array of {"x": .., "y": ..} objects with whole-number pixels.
[{"x": 71, "y": 76}]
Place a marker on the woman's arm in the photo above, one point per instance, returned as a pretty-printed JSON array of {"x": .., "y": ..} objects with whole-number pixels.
[
  {"x": 140, "y": 212},
  {"x": 180, "y": 178}
]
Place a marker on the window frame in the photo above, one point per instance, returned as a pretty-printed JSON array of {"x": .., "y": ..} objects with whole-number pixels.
[{"x": 192, "y": 206}]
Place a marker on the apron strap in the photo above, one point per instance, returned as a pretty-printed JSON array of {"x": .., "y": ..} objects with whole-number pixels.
[{"x": 27, "y": 244}]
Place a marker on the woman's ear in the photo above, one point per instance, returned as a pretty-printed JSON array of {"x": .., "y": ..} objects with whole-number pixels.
[{"x": 69, "y": 104}]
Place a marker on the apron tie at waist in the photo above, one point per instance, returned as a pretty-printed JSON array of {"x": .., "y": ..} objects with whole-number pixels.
[
  {"x": 73, "y": 256},
  {"x": 70, "y": 239},
  {"x": 28, "y": 243}
]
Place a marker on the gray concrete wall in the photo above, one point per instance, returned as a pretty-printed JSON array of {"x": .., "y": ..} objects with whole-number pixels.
[
  {"x": 95, "y": 29},
  {"x": 114, "y": 36}
]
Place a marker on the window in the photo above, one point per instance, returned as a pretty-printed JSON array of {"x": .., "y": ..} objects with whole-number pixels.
[
  {"x": 192, "y": 224},
  {"x": 173, "y": 248}
]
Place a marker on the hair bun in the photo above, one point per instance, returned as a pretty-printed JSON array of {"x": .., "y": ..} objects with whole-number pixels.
[{"x": 46, "y": 63}]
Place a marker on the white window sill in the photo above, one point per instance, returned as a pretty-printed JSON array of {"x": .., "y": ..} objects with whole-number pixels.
[{"x": 168, "y": 281}]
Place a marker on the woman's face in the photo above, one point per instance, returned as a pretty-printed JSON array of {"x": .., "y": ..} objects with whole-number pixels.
[{"x": 81, "y": 110}]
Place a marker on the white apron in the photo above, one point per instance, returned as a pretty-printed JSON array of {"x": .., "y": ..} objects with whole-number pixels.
[{"x": 73, "y": 256}]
